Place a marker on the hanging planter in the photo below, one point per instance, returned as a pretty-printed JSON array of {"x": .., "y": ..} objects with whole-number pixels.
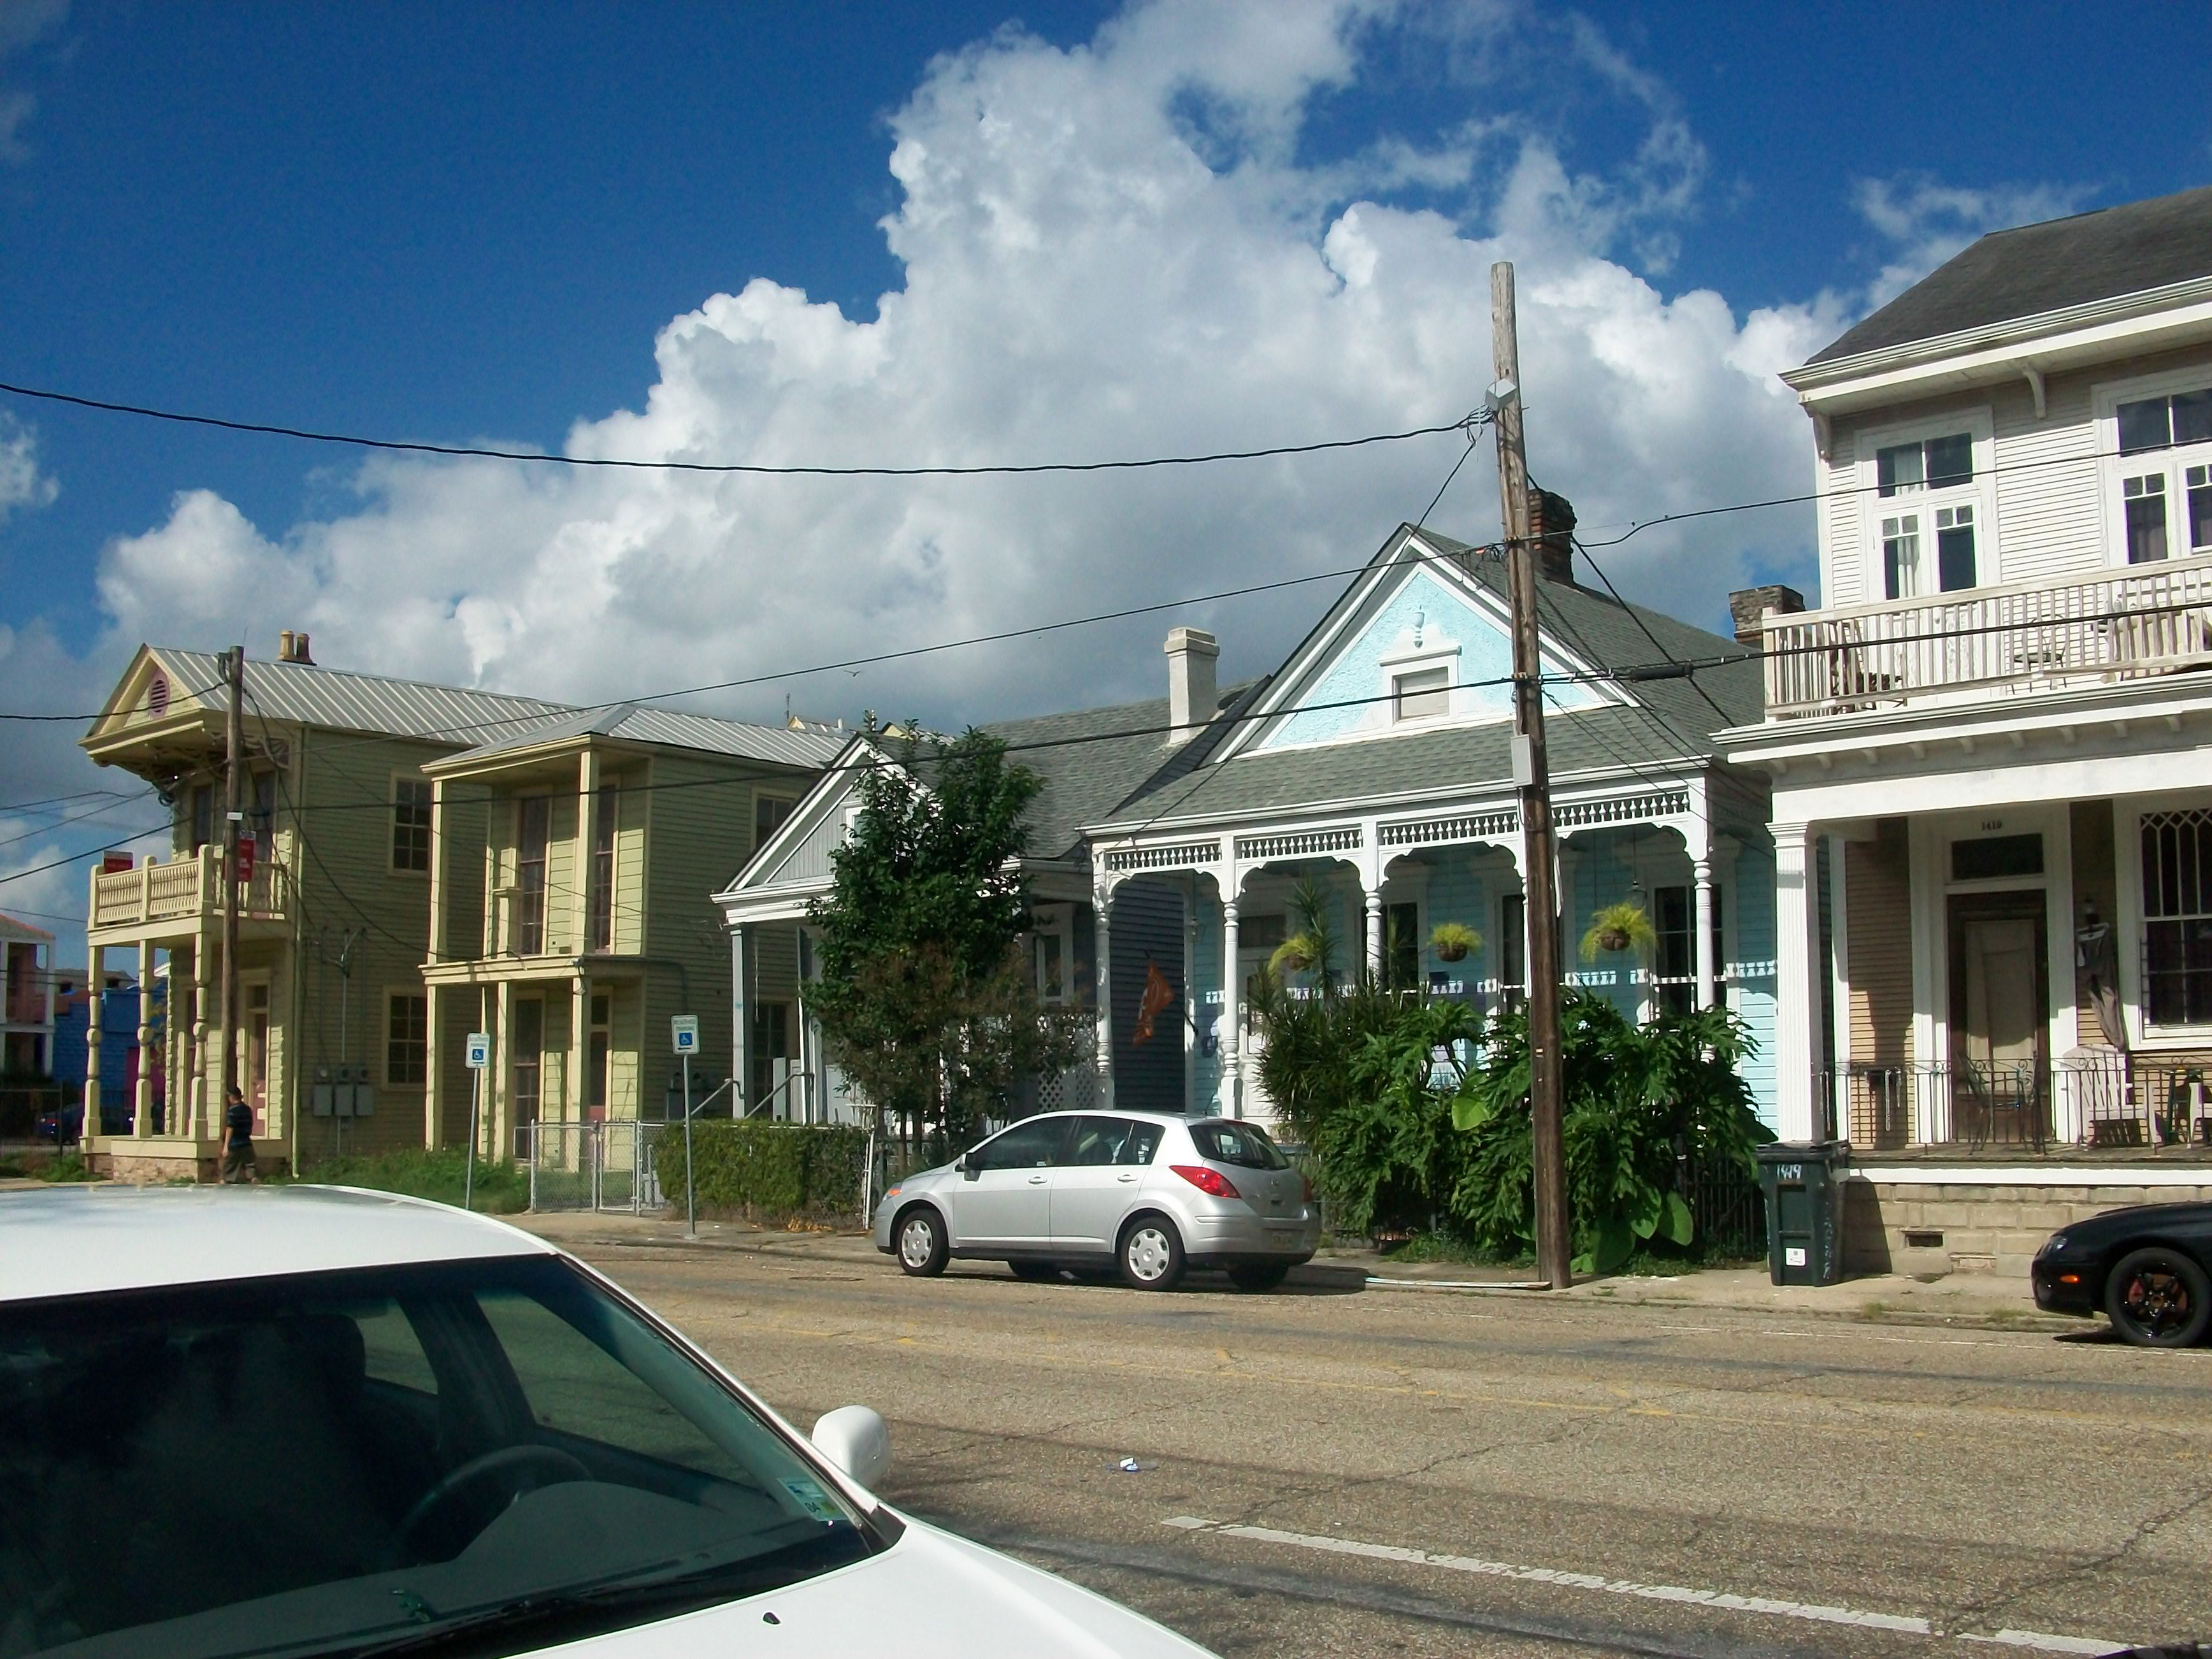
[
  {"x": 1452, "y": 941},
  {"x": 1295, "y": 955},
  {"x": 1618, "y": 928}
]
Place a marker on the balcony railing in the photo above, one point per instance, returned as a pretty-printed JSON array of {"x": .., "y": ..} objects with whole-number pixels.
[
  {"x": 2148, "y": 619},
  {"x": 189, "y": 887},
  {"x": 2094, "y": 1099}
]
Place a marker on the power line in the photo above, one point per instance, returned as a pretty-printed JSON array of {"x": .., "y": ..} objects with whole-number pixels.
[
  {"x": 1644, "y": 627},
  {"x": 481, "y": 452},
  {"x": 90, "y": 813}
]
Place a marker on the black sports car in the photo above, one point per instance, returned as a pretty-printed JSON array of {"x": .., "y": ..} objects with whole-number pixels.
[{"x": 2149, "y": 1268}]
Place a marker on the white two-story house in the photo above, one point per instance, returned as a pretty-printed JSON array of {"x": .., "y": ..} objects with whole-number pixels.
[{"x": 1991, "y": 748}]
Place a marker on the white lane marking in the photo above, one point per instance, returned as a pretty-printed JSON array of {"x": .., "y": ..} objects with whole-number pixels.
[
  {"x": 2047, "y": 1641},
  {"x": 1812, "y": 1612}
]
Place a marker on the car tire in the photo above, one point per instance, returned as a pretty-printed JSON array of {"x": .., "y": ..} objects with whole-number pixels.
[
  {"x": 1036, "y": 1273},
  {"x": 918, "y": 1240},
  {"x": 1259, "y": 1277},
  {"x": 2157, "y": 1297},
  {"x": 1150, "y": 1255}
]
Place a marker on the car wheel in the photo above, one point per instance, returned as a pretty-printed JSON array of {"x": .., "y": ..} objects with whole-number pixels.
[
  {"x": 920, "y": 1239},
  {"x": 1150, "y": 1255},
  {"x": 2158, "y": 1299},
  {"x": 1264, "y": 1276},
  {"x": 1037, "y": 1273}
]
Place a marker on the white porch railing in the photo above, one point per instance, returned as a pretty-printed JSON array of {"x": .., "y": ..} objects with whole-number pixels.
[
  {"x": 2147, "y": 619},
  {"x": 188, "y": 887}
]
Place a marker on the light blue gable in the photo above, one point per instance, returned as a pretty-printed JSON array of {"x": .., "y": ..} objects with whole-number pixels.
[{"x": 1418, "y": 625}]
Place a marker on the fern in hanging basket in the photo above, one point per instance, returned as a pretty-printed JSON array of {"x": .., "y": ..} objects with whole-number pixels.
[
  {"x": 1452, "y": 941},
  {"x": 1295, "y": 954},
  {"x": 1618, "y": 928}
]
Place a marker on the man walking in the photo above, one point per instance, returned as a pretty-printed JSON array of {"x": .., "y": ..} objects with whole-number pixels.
[{"x": 238, "y": 1137}]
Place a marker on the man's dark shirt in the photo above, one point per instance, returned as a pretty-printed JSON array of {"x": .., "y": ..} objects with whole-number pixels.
[{"x": 239, "y": 1120}]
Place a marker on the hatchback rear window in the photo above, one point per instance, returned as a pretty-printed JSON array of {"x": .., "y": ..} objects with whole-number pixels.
[{"x": 1237, "y": 1143}]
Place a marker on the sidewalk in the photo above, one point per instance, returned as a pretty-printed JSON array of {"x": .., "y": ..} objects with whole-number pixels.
[{"x": 1961, "y": 1299}]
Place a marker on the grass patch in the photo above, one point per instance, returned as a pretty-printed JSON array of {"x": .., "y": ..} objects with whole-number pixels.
[
  {"x": 502, "y": 1188},
  {"x": 67, "y": 1166}
]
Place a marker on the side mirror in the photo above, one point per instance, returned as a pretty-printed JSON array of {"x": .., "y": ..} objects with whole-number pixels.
[{"x": 855, "y": 1440}]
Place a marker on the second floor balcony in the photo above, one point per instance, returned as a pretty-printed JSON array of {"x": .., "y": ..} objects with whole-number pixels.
[
  {"x": 1980, "y": 643},
  {"x": 160, "y": 900}
]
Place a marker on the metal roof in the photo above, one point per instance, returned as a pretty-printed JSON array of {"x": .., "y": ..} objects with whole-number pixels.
[{"x": 485, "y": 722}]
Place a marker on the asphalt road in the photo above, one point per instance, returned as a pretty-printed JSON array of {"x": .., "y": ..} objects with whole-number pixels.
[{"x": 1333, "y": 1472}]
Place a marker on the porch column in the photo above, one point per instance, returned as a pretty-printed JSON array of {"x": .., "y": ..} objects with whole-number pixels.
[
  {"x": 580, "y": 1045},
  {"x": 94, "y": 1010},
  {"x": 141, "y": 1123},
  {"x": 206, "y": 1109},
  {"x": 1190, "y": 987},
  {"x": 1796, "y": 955},
  {"x": 587, "y": 802},
  {"x": 1374, "y": 897},
  {"x": 1231, "y": 1027},
  {"x": 1701, "y": 946},
  {"x": 434, "y": 1136},
  {"x": 740, "y": 1028},
  {"x": 1102, "y": 946},
  {"x": 439, "y": 893},
  {"x": 499, "y": 1093}
]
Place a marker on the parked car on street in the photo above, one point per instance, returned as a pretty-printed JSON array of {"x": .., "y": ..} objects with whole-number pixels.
[
  {"x": 1145, "y": 1194},
  {"x": 66, "y": 1126},
  {"x": 2148, "y": 1269},
  {"x": 306, "y": 1420}
]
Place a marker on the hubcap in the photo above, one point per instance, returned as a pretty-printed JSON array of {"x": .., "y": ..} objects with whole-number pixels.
[
  {"x": 1148, "y": 1253},
  {"x": 916, "y": 1240},
  {"x": 2159, "y": 1301}
]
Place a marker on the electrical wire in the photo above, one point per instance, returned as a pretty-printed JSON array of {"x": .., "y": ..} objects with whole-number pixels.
[{"x": 481, "y": 452}]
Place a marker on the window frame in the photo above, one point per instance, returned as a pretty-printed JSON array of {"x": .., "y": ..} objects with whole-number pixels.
[
  {"x": 2172, "y": 462},
  {"x": 402, "y": 782},
  {"x": 526, "y": 920},
  {"x": 2139, "y": 885},
  {"x": 389, "y": 1042},
  {"x": 1051, "y": 927},
  {"x": 766, "y": 797},
  {"x": 1978, "y": 492},
  {"x": 602, "y": 861}
]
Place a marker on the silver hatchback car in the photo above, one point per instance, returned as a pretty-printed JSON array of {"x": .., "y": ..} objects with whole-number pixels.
[{"x": 1146, "y": 1195}]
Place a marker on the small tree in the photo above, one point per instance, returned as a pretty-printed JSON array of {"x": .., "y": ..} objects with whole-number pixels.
[{"x": 924, "y": 1000}]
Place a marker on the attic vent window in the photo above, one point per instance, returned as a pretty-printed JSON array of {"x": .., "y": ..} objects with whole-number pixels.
[
  {"x": 157, "y": 695},
  {"x": 1421, "y": 694}
]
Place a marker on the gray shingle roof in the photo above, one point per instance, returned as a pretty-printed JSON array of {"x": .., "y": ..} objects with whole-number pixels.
[
  {"x": 2034, "y": 269},
  {"x": 1667, "y": 721}
]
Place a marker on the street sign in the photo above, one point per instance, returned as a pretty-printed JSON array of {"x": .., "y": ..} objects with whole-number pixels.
[
  {"x": 244, "y": 860},
  {"x": 479, "y": 1050},
  {"x": 683, "y": 1029}
]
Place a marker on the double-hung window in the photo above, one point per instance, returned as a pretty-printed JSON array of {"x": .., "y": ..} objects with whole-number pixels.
[
  {"x": 533, "y": 836},
  {"x": 410, "y": 825},
  {"x": 2165, "y": 475},
  {"x": 2177, "y": 906},
  {"x": 1929, "y": 514}
]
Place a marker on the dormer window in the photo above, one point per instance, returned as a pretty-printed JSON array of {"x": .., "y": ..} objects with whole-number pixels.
[
  {"x": 2166, "y": 478},
  {"x": 1421, "y": 694}
]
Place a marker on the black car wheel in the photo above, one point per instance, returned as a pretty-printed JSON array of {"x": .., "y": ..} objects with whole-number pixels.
[
  {"x": 2158, "y": 1299},
  {"x": 919, "y": 1238}
]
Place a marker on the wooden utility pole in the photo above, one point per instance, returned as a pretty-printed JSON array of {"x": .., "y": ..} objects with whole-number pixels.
[
  {"x": 234, "y": 816},
  {"x": 1531, "y": 770}
]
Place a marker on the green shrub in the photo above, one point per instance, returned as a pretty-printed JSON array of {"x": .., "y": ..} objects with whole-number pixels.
[
  {"x": 1635, "y": 1102},
  {"x": 499, "y": 1188},
  {"x": 759, "y": 1170}
]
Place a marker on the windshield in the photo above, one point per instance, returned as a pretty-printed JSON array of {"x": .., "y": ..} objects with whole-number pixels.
[
  {"x": 377, "y": 1461},
  {"x": 1242, "y": 1144}
]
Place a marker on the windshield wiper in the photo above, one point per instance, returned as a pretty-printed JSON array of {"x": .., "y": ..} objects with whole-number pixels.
[{"x": 603, "y": 1607}]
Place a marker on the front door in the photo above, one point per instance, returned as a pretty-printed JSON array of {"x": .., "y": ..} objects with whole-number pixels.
[
  {"x": 1003, "y": 1200},
  {"x": 1097, "y": 1180},
  {"x": 1252, "y": 1039},
  {"x": 2000, "y": 1013}
]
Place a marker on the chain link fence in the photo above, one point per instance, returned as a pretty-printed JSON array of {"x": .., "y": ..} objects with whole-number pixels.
[{"x": 595, "y": 1166}]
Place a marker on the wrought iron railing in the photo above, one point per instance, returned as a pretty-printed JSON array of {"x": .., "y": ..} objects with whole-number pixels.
[{"x": 2095, "y": 1099}]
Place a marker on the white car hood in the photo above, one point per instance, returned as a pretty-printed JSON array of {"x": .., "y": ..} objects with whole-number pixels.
[{"x": 929, "y": 1595}]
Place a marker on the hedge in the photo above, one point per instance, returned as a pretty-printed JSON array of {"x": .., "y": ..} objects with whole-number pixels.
[{"x": 768, "y": 1169}]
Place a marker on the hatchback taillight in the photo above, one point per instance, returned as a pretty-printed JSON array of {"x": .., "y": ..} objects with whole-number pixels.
[{"x": 1212, "y": 1183}]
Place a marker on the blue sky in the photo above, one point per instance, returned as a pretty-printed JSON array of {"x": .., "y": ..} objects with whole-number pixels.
[{"x": 1106, "y": 231}]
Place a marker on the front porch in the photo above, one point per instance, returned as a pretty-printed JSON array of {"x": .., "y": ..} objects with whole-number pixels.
[{"x": 1186, "y": 904}]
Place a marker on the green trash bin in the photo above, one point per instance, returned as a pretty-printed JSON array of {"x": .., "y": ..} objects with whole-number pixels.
[{"x": 1804, "y": 1186}]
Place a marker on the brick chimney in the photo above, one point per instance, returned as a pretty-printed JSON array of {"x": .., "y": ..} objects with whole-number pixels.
[
  {"x": 1749, "y": 605},
  {"x": 1551, "y": 525},
  {"x": 1192, "y": 694}
]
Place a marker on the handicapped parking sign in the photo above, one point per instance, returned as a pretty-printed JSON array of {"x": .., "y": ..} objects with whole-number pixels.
[
  {"x": 684, "y": 1031},
  {"x": 479, "y": 1056}
]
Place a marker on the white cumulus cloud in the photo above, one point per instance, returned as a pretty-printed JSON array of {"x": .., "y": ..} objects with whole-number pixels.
[{"x": 1113, "y": 250}]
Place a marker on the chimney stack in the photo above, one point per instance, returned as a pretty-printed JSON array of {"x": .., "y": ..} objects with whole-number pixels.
[
  {"x": 1192, "y": 692},
  {"x": 1552, "y": 526},
  {"x": 1749, "y": 606},
  {"x": 293, "y": 647}
]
